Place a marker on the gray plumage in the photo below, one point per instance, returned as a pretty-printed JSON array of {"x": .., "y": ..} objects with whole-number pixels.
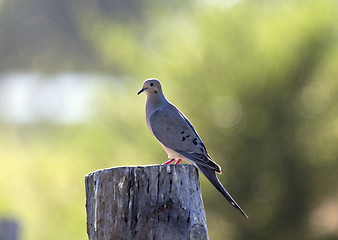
[{"x": 178, "y": 137}]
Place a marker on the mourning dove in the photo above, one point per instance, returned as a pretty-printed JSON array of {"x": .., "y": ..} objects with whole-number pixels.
[{"x": 178, "y": 137}]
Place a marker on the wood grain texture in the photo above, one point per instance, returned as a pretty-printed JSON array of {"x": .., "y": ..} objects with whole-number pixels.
[{"x": 145, "y": 202}]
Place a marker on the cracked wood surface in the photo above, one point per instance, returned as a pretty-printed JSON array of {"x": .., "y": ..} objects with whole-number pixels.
[{"x": 145, "y": 202}]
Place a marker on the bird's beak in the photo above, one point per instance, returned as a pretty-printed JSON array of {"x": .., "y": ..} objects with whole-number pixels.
[{"x": 141, "y": 91}]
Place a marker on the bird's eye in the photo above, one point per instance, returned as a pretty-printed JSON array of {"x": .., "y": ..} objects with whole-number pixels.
[{"x": 151, "y": 84}]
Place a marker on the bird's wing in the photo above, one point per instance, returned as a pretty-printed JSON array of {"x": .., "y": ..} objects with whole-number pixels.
[{"x": 174, "y": 131}]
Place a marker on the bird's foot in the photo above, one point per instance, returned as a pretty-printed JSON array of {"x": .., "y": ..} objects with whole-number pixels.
[
  {"x": 178, "y": 161},
  {"x": 168, "y": 162}
]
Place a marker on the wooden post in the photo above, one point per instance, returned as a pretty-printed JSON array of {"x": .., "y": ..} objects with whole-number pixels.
[
  {"x": 145, "y": 202},
  {"x": 8, "y": 229}
]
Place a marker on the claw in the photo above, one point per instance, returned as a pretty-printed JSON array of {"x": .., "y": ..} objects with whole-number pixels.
[
  {"x": 168, "y": 162},
  {"x": 178, "y": 161}
]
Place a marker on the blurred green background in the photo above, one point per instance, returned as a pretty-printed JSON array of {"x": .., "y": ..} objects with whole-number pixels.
[{"x": 258, "y": 79}]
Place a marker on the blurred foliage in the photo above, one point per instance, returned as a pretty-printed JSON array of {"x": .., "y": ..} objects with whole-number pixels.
[{"x": 258, "y": 79}]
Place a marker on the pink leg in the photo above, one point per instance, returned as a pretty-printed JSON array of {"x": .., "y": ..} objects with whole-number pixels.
[
  {"x": 178, "y": 161},
  {"x": 168, "y": 162}
]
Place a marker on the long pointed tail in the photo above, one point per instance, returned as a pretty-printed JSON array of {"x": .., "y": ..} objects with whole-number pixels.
[{"x": 211, "y": 176}]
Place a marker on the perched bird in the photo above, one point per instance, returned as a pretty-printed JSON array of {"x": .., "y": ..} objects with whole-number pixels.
[{"x": 178, "y": 137}]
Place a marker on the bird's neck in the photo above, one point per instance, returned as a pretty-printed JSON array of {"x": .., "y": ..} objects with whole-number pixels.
[{"x": 155, "y": 102}]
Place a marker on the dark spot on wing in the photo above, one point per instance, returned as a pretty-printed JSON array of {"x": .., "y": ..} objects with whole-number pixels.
[
  {"x": 201, "y": 143},
  {"x": 187, "y": 136},
  {"x": 182, "y": 132},
  {"x": 183, "y": 139},
  {"x": 194, "y": 141}
]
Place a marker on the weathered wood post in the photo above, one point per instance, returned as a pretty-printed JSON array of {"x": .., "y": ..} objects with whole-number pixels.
[
  {"x": 8, "y": 229},
  {"x": 145, "y": 202}
]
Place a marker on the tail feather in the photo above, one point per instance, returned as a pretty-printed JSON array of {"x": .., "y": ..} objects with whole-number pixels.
[{"x": 211, "y": 176}]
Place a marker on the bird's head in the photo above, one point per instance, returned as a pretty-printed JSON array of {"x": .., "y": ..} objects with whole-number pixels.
[{"x": 151, "y": 87}]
